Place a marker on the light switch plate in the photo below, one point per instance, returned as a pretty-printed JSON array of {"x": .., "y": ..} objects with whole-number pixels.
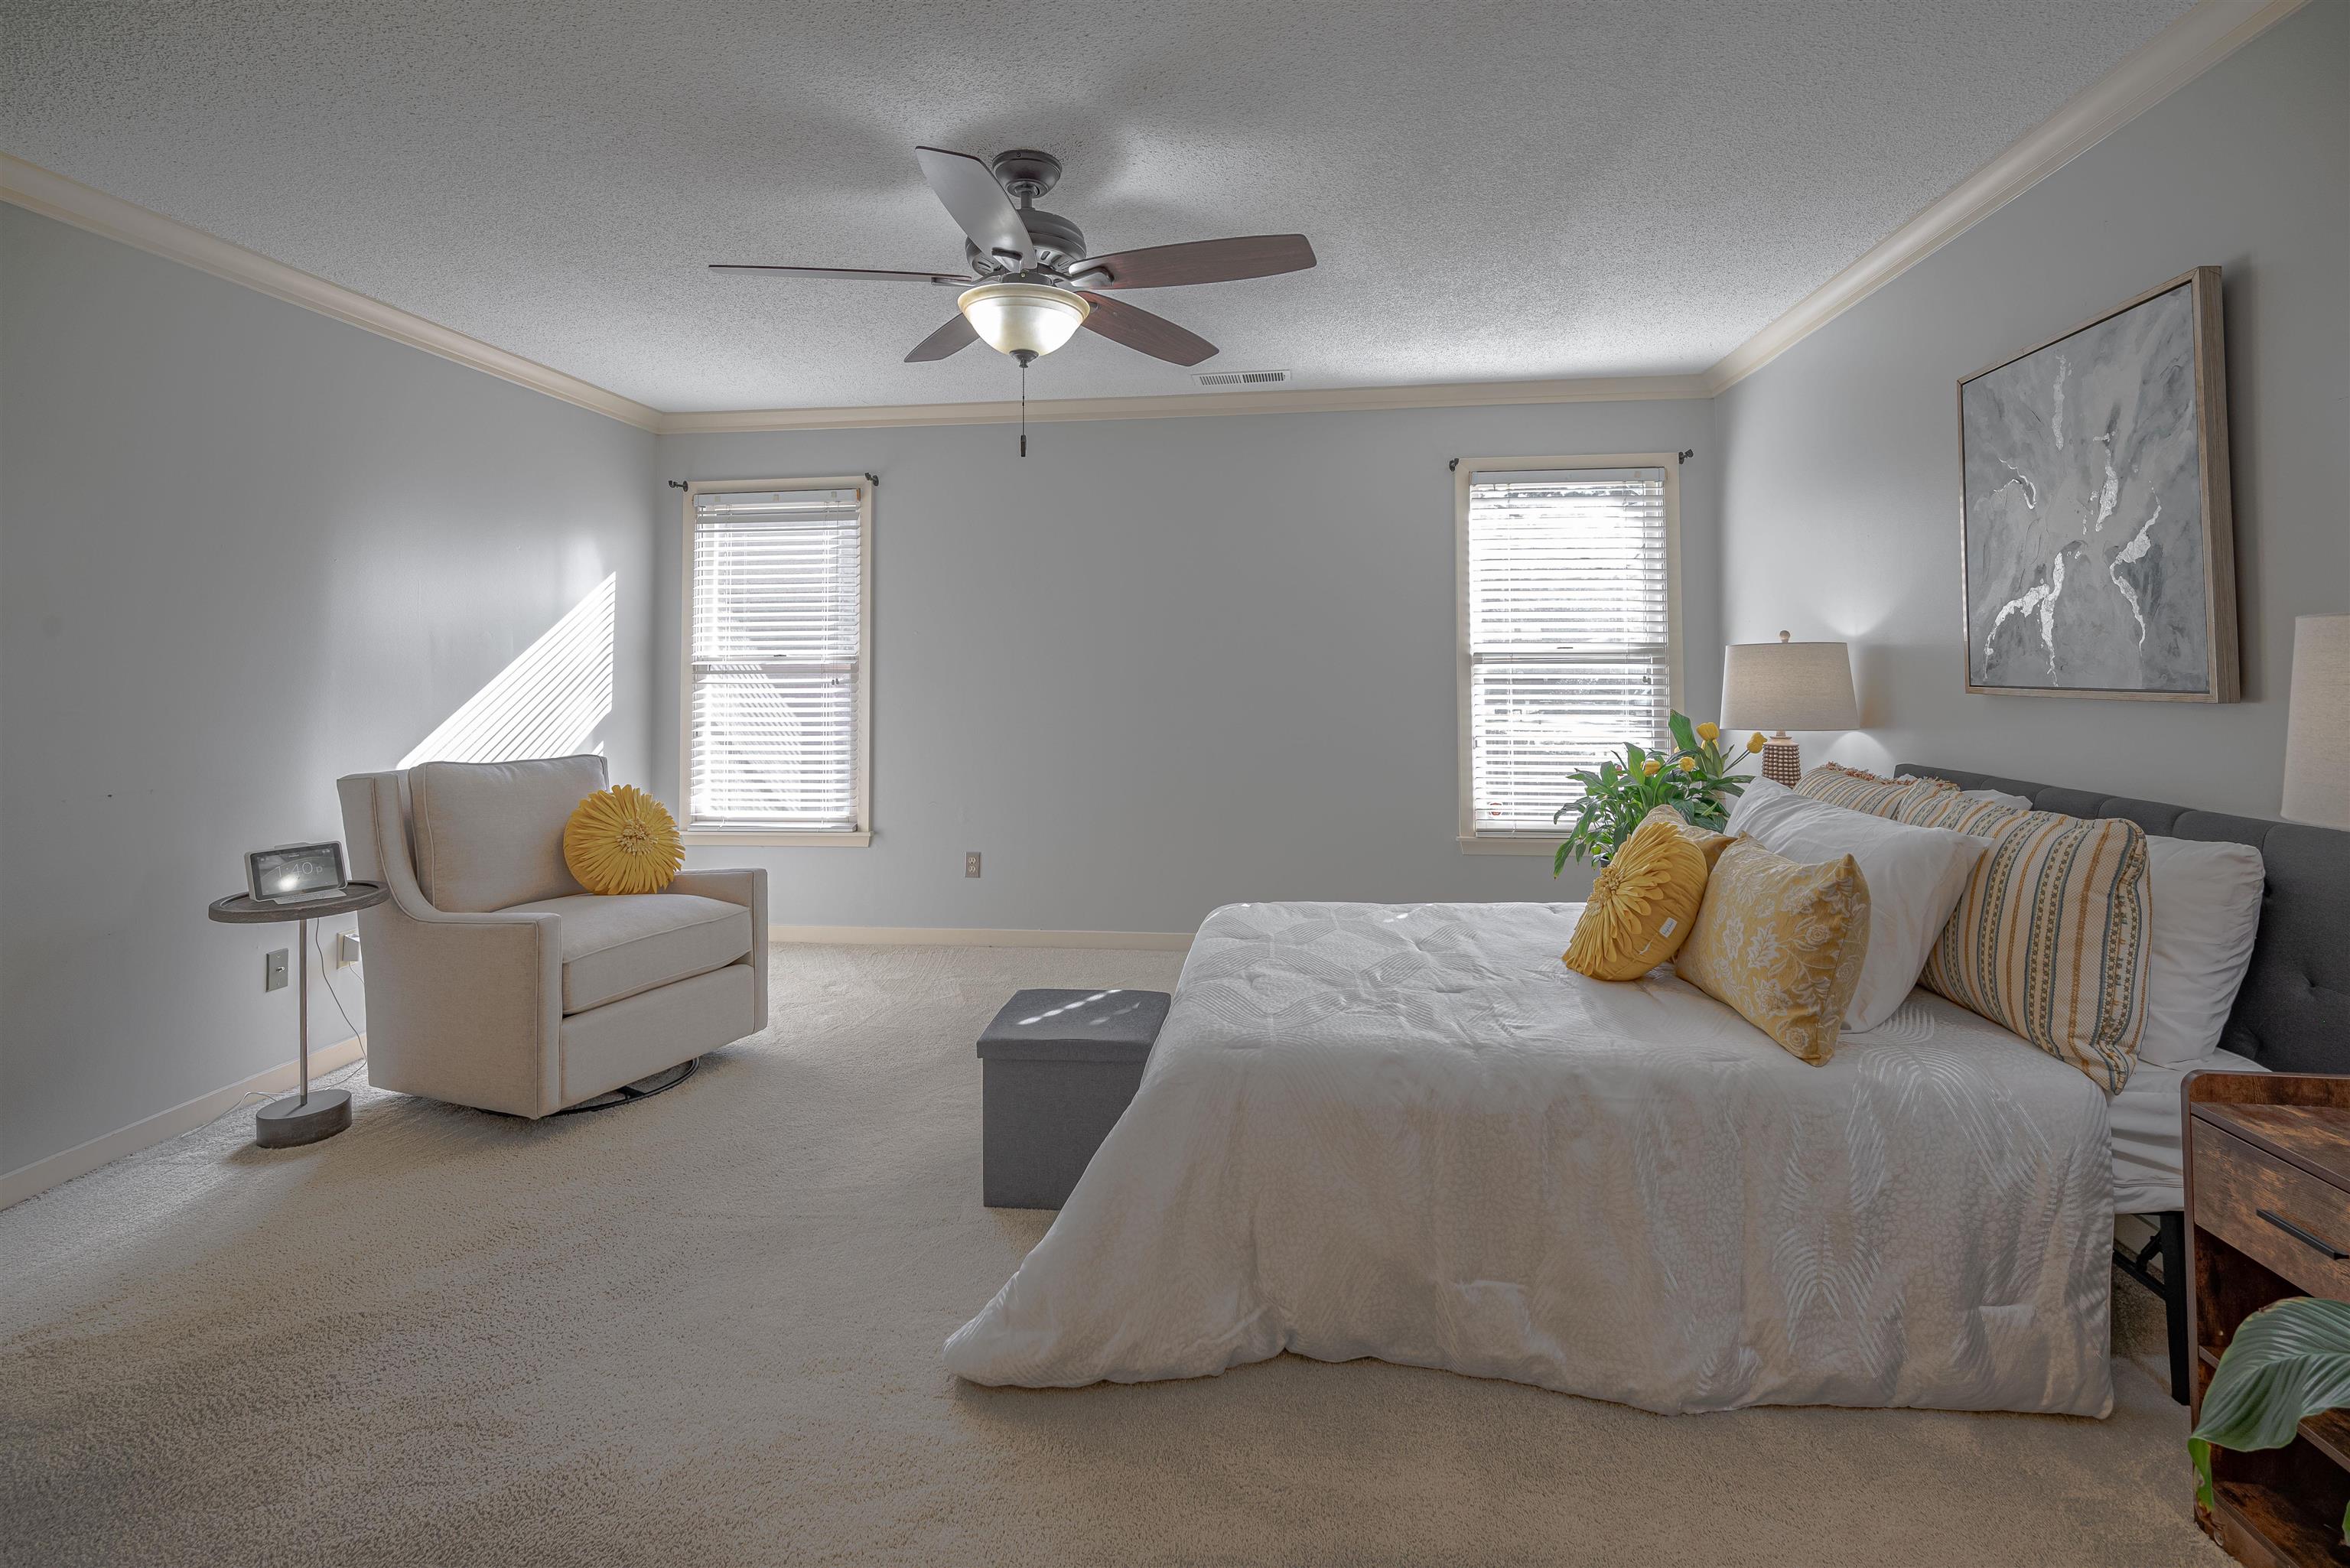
[
  {"x": 272, "y": 968},
  {"x": 971, "y": 863}
]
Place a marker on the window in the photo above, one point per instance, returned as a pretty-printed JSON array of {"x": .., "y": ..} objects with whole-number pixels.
[
  {"x": 778, "y": 698},
  {"x": 1570, "y": 630}
]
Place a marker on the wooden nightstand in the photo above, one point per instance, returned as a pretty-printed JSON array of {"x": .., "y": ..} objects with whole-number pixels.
[{"x": 2268, "y": 1216}]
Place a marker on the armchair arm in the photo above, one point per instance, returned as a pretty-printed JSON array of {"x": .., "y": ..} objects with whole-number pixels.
[
  {"x": 466, "y": 1008},
  {"x": 748, "y": 888}
]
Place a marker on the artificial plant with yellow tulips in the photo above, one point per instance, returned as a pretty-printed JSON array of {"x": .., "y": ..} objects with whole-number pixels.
[{"x": 1694, "y": 779}]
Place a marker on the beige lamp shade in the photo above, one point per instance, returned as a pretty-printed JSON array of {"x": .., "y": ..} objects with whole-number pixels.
[
  {"x": 1786, "y": 685},
  {"x": 2317, "y": 724}
]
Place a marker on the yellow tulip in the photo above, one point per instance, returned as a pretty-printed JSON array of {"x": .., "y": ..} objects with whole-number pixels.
[
  {"x": 1652, "y": 767},
  {"x": 1708, "y": 730},
  {"x": 1754, "y": 741},
  {"x": 1687, "y": 764}
]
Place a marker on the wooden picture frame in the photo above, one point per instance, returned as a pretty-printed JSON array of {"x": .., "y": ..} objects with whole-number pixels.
[{"x": 2032, "y": 505}]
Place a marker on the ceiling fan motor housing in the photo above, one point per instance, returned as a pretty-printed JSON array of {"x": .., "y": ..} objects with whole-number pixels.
[{"x": 1058, "y": 243}]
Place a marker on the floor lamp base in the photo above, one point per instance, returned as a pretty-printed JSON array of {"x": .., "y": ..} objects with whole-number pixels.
[{"x": 293, "y": 1121}]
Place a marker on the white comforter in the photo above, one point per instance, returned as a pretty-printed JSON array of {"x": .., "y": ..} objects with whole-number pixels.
[{"x": 1410, "y": 1132}]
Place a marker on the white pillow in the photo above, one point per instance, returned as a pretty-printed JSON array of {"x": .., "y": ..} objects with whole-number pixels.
[
  {"x": 2204, "y": 911},
  {"x": 1757, "y": 790},
  {"x": 1997, "y": 797},
  {"x": 1915, "y": 877}
]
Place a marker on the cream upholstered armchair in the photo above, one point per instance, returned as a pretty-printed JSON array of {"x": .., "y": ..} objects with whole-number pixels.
[{"x": 494, "y": 980}]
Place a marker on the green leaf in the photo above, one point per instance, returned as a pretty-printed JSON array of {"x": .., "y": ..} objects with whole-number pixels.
[
  {"x": 1633, "y": 757},
  {"x": 1684, "y": 735},
  {"x": 2285, "y": 1362},
  {"x": 1558, "y": 861}
]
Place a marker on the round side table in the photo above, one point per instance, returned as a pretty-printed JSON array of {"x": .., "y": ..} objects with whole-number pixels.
[{"x": 305, "y": 1118}]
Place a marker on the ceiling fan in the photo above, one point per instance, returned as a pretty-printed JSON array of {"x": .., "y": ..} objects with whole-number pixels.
[{"x": 1031, "y": 284}]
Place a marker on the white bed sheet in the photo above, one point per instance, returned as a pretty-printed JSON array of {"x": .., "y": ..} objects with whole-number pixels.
[
  {"x": 2144, "y": 1119},
  {"x": 1409, "y": 1132},
  {"x": 2149, "y": 1159}
]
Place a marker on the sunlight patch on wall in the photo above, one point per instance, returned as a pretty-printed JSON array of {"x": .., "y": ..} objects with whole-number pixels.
[{"x": 546, "y": 703}]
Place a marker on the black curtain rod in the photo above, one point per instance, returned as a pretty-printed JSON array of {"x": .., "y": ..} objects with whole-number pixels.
[
  {"x": 872, "y": 479},
  {"x": 1453, "y": 464}
]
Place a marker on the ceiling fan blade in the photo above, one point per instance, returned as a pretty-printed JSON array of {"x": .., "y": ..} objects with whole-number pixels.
[
  {"x": 950, "y": 339},
  {"x": 1200, "y": 260},
  {"x": 968, "y": 187},
  {"x": 1139, "y": 330},
  {"x": 868, "y": 273}
]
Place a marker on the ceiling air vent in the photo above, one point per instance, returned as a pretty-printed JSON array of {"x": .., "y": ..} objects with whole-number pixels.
[{"x": 1241, "y": 378}]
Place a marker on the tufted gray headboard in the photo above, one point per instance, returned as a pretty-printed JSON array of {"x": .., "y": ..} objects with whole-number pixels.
[{"x": 2294, "y": 1012}]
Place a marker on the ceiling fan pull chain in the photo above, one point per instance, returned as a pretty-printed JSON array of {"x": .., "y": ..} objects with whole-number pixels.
[{"x": 1023, "y": 411}]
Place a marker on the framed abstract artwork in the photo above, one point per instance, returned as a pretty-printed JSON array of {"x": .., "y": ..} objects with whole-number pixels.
[{"x": 2099, "y": 549}]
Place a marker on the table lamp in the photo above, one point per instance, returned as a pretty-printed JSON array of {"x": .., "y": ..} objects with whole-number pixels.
[
  {"x": 2317, "y": 723},
  {"x": 1781, "y": 686}
]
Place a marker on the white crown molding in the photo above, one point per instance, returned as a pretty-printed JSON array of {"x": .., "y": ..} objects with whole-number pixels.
[
  {"x": 2200, "y": 39},
  {"x": 1184, "y": 405},
  {"x": 2205, "y": 35},
  {"x": 35, "y": 189}
]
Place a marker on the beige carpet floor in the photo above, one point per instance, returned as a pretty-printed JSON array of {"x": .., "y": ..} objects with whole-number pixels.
[{"x": 705, "y": 1329}]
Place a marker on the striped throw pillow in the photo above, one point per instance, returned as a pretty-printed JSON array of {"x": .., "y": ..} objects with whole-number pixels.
[
  {"x": 2050, "y": 939},
  {"x": 1857, "y": 791}
]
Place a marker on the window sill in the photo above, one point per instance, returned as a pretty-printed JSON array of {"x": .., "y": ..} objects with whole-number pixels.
[
  {"x": 1498, "y": 845},
  {"x": 694, "y": 835}
]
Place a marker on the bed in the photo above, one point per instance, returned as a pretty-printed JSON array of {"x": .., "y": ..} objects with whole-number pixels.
[
  {"x": 1409, "y": 1132},
  {"x": 2292, "y": 1014}
]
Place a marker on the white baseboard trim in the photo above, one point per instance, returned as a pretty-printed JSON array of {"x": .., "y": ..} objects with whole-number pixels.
[
  {"x": 978, "y": 937},
  {"x": 28, "y": 1181}
]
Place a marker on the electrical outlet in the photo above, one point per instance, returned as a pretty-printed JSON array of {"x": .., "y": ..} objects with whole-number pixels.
[
  {"x": 971, "y": 863},
  {"x": 272, "y": 968},
  {"x": 347, "y": 949}
]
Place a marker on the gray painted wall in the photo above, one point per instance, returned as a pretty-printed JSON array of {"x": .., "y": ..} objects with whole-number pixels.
[
  {"x": 1163, "y": 665},
  {"x": 244, "y": 549},
  {"x": 1840, "y": 470}
]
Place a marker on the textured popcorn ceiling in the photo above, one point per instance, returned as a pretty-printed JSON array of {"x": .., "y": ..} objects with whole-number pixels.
[{"x": 1497, "y": 191}]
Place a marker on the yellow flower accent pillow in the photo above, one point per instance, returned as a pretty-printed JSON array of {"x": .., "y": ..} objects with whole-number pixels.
[
  {"x": 1640, "y": 908},
  {"x": 1781, "y": 943},
  {"x": 622, "y": 840},
  {"x": 1709, "y": 843}
]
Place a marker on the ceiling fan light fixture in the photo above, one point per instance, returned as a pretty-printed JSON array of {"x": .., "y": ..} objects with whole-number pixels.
[{"x": 1023, "y": 318}]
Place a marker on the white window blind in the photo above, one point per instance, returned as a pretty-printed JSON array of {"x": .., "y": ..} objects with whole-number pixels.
[
  {"x": 777, "y": 661},
  {"x": 1568, "y": 633}
]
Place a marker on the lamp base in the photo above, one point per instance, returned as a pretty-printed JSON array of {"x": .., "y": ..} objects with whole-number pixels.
[
  {"x": 293, "y": 1121},
  {"x": 1782, "y": 762}
]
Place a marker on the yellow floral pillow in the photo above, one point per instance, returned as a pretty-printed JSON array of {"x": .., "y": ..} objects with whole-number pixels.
[
  {"x": 1709, "y": 843},
  {"x": 1640, "y": 908},
  {"x": 1781, "y": 943},
  {"x": 622, "y": 840}
]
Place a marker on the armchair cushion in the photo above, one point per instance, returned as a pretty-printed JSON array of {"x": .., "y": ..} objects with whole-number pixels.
[
  {"x": 489, "y": 835},
  {"x": 617, "y": 947}
]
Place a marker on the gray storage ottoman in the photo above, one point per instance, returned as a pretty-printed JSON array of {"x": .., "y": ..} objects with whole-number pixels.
[{"x": 1056, "y": 1070}]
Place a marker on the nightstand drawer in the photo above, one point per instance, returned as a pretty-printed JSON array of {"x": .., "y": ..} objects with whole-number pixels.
[{"x": 2275, "y": 1213}]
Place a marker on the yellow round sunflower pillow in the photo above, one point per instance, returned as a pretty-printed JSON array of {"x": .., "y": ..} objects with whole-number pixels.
[
  {"x": 1641, "y": 907},
  {"x": 622, "y": 840}
]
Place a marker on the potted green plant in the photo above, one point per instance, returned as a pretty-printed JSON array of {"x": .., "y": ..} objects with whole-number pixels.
[
  {"x": 1694, "y": 779},
  {"x": 2287, "y": 1361}
]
